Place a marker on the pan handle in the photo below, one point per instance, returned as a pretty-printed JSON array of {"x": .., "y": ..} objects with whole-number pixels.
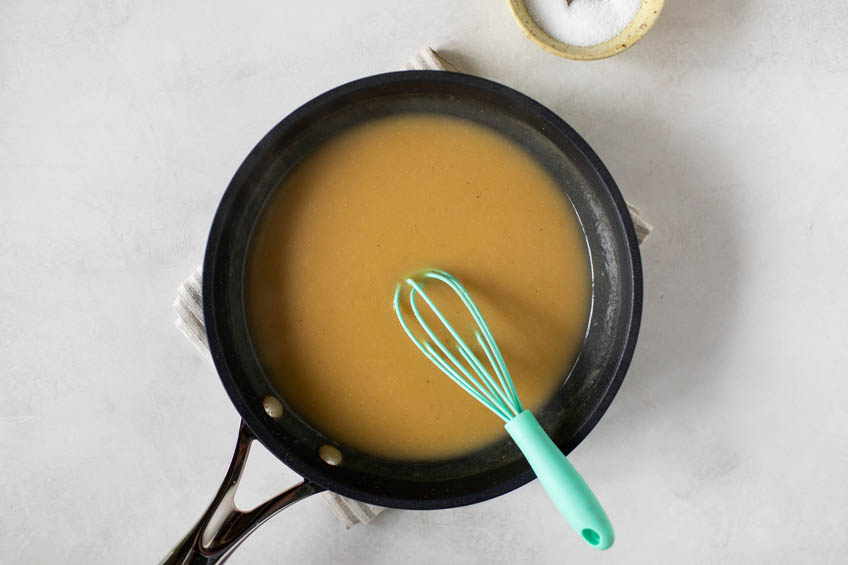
[{"x": 223, "y": 526}]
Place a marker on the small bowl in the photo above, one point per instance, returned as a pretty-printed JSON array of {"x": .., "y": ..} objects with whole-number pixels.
[{"x": 642, "y": 22}]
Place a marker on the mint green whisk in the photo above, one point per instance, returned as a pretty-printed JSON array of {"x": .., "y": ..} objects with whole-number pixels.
[{"x": 493, "y": 387}]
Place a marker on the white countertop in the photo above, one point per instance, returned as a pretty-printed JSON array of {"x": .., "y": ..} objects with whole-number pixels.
[{"x": 122, "y": 122}]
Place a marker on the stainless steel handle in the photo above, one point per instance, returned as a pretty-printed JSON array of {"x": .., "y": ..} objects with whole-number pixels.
[{"x": 223, "y": 526}]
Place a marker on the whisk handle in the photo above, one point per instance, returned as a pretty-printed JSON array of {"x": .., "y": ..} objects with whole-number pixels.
[{"x": 566, "y": 488}]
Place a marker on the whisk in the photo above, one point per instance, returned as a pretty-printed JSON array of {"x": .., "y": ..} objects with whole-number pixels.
[{"x": 491, "y": 384}]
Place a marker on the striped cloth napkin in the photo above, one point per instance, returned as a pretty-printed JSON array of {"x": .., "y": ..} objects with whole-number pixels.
[{"x": 189, "y": 308}]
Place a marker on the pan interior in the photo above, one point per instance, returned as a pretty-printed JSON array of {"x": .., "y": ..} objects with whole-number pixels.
[{"x": 586, "y": 392}]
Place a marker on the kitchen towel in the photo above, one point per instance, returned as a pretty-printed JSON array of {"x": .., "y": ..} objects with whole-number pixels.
[{"x": 189, "y": 308}]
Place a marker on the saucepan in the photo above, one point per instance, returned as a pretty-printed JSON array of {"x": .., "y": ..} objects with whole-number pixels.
[{"x": 575, "y": 408}]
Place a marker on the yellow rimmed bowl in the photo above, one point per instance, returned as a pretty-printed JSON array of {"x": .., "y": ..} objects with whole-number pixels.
[{"x": 635, "y": 30}]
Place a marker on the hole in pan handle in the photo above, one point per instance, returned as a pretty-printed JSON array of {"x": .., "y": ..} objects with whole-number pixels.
[{"x": 223, "y": 526}]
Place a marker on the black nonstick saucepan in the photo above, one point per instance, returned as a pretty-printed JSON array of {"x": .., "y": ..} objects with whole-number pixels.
[{"x": 576, "y": 407}]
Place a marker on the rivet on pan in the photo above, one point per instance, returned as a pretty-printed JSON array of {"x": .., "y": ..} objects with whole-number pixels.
[
  {"x": 273, "y": 407},
  {"x": 330, "y": 455}
]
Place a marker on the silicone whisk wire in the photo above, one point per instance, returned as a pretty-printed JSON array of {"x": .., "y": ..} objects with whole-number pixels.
[{"x": 497, "y": 393}]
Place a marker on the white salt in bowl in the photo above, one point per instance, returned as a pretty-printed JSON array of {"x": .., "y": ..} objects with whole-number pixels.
[{"x": 648, "y": 13}]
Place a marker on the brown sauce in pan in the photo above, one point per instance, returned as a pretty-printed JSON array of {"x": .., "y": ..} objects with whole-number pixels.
[{"x": 373, "y": 204}]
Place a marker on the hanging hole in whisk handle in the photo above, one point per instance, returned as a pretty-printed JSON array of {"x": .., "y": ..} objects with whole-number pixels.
[{"x": 591, "y": 536}]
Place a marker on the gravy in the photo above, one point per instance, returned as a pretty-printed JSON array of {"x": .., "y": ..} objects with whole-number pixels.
[{"x": 370, "y": 206}]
